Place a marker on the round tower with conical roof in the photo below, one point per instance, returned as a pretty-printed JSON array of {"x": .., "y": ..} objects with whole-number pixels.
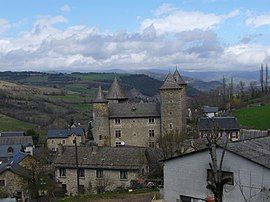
[
  {"x": 173, "y": 104},
  {"x": 101, "y": 119}
]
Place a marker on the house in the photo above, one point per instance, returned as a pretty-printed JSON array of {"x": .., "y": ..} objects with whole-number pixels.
[
  {"x": 12, "y": 143},
  {"x": 103, "y": 168},
  {"x": 210, "y": 111},
  {"x": 119, "y": 122},
  {"x": 247, "y": 163},
  {"x": 14, "y": 174},
  {"x": 223, "y": 125},
  {"x": 56, "y": 138}
]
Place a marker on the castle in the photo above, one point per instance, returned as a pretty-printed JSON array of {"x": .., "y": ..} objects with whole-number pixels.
[{"x": 118, "y": 122}]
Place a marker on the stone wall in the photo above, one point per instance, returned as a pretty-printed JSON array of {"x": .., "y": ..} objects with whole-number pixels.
[
  {"x": 173, "y": 110},
  {"x": 13, "y": 183},
  {"x": 111, "y": 180},
  {"x": 135, "y": 131}
]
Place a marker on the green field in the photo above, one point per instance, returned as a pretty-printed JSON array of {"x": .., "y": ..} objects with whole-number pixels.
[
  {"x": 254, "y": 117},
  {"x": 11, "y": 124}
]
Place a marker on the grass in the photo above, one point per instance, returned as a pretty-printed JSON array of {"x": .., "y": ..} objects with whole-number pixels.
[
  {"x": 77, "y": 98},
  {"x": 254, "y": 117},
  {"x": 11, "y": 124},
  {"x": 107, "y": 195}
]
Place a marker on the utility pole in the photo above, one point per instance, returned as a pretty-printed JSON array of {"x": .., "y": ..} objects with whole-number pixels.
[
  {"x": 266, "y": 78},
  {"x": 77, "y": 164}
]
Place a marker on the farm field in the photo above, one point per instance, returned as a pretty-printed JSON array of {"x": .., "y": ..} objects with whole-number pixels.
[
  {"x": 8, "y": 124},
  {"x": 254, "y": 117}
]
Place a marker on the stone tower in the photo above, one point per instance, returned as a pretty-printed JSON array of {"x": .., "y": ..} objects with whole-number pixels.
[
  {"x": 173, "y": 104},
  {"x": 101, "y": 119},
  {"x": 116, "y": 94}
]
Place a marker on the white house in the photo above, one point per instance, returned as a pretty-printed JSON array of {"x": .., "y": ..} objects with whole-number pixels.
[{"x": 247, "y": 162}]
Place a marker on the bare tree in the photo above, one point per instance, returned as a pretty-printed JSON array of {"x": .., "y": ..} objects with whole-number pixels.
[
  {"x": 252, "y": 86},
  {"x": 261, "y": 78},
  {"x": 241, "y": 88},
  {"x": 218, "y": 180},
  {"x": 266, "y": 78}
]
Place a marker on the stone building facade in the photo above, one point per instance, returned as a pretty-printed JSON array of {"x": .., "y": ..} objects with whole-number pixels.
[
  {"x": 118, "y": 122},
  {"x": 103, "y": 168},
  {"x": 57, "y": 138}
]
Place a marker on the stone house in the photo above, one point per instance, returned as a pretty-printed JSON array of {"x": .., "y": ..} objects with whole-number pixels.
[
  {"x": 223, "y": 125},
  {"x": 103, "y": 168},
  {"x": 118, "y": 122},
  {"x": 15, "y": 174},
  {"x": 57, "y": 138},
  {"x": 210, "y": 111},
  {"x": 247, "y": 163}
]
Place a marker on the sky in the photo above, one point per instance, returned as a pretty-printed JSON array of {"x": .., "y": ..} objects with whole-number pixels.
[{"x": 97, "y": 35}]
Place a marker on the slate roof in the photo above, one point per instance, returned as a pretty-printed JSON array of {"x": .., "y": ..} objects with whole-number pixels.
[
  {"x": 178, "y": 78},
  {"x": 12, "y": 133},
  {"x": 64, "y": 133},
  {"x": 116, "y": 92},
  {"x": 100, "y": 96},
  {"x": 222, "y": 123},
  {"x": 132, "y": 110},
  {"x": 207, "y": 109},
  {"x": 256, "y": 150},
  {"x": 170, "y": 83},
  {"x": 4, "y": 150},
  {"x": 15, "y": 168},
  {"x": 130, "y": 158},
  {"x": 17, "y": 140}
]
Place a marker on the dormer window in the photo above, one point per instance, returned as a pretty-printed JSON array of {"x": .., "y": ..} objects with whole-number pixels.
[
  {"x": 10, "y": 150},
  {"x": 117, "y": 121}
]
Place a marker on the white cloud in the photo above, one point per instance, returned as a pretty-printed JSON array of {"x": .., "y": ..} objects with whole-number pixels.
[
  {"x": 258, "y": 21},
  {"x": 47, "y": 47},
  {"x": 164, "y": 9},
  {"x": 65, "y": 8},
  {"x": 179, "y": 20},
  {"x": 4, "y": 25}
]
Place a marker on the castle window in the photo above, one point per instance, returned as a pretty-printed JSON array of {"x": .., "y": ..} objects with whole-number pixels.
[
  {"x": 119, "y": 144},
  {"x": 151, "y": 133},
  {"x": 118, "y": 133},
  {"x": 134, "y": 121},
  {"x": 62, "y": 172},
  {"x": 123, "y": 175},
  {"x": 2, "y": 183},
  {"x": 10, "y": 150},
  {"x": 100, "y": 137},
  {"x": 171, "y": 125},
  {"x": 151, "y": 120},
  {"x": 117, "y": 121},
  {"x": 152, "y": 144},
  {"x": 170, "y": 113},
  {"x": 99, "y": 174},
  {"x": 81, "y": 172}
]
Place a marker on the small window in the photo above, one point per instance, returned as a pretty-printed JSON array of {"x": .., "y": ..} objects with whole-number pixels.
[
  {"x": 151, "y": 133},
  {"x": 117, "y": 121},
  {"x": 64, "y": 188},
  {"x": 119, "y": 144},
  {"x": 99, "y": 174},
  {"x": 170, "y": 113},
  {"x": 81, "y": 172},
  {"x": 2, "y": 183},
  {"x": 225, "y": 174},
  {"x": 62, "y": 172},
  {"x": 118, "y": 133},
  {"x": 100, "y": 137},
  {"x": 10, "y": 150},
  {"x": 64, "y": 141},
  {"x": 152, "y": 144},
  {"x": 123, "y": 175},
  {"x": 134, "y": 121},
  {"x": 151, "y": 121},
  {"x": 171, "y": 125}
]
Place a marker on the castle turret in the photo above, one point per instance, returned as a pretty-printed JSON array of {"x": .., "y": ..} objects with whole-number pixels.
[
  {"x": 173, "y": 104},
  {"x": 101, "y": 119},
  {"x": 116, "y": 93}
]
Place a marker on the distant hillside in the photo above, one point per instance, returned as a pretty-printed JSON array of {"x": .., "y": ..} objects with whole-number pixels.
[{"x": 50, "y": 100}]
